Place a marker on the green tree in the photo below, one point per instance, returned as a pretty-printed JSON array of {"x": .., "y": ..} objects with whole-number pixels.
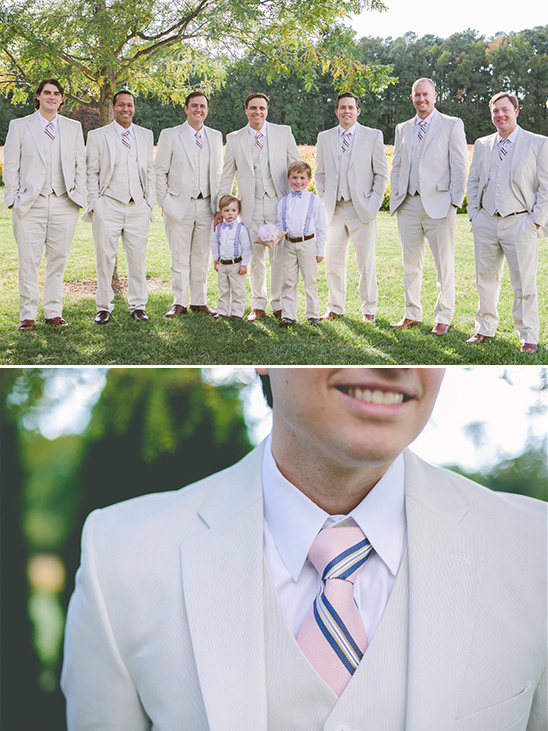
[{"x": 157, "y": 46}]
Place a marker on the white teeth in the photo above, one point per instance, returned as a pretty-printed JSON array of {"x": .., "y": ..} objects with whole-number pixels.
[{"x": 376, "y": 396}]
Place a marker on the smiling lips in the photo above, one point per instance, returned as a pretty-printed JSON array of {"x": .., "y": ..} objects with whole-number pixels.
[{"x": 375, "y": 396}]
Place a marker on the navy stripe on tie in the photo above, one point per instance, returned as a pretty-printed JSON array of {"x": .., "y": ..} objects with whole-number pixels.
[
  {"x": 360, "y": 560},
  {"x": 352, "y": 656}
]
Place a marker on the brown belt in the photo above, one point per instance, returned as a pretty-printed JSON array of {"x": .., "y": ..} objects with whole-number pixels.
[
  {"x": 297, "y": 239},
  {"x": 517, "y": 213},
  {"x": 230, "y": 261}
]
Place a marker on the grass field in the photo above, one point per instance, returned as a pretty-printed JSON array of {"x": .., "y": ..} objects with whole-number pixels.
[{"x": 197, "y": 339}]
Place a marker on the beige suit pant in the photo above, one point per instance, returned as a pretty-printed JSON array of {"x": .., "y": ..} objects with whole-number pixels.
[
  {"x": 48, "y": 226},
  {"x": 514, "y": 238},
  {"x": 300, "y": 256},
  {"x": 346, "y": 225},
  {"x": 265, "y": 210},
  {"x": 189, "y": 243},
  {"x": 111, "y": 221},
  {"x": 231, "y": 290},
  {"x": 415, "y": 227}
]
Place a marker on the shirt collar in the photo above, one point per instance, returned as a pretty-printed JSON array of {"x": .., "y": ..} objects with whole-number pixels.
[
  {"x": 44, "y": 122},
  {"x": 294, "y": 520},
  {"x": 352, "y": 130},
  {"x": 427, "y": 119},
  {"x": 120, "y": 130},
  {"x": 192, "y": 131},
  {"x": 511, "y": 137},
  {"x": 253, "y": 132}
]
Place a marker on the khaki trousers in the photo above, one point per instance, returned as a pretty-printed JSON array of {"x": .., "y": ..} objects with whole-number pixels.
[
  {"x": 48, "y": 226},
  {"x": 189, "y": 243},
  {"x": 111, "y": 221},
  {"x": 300, "y": 256},
  {"x": 415, "y": 227},
  {"x": 514, "y": 238},
  {"x": 346, "y": 225},
  {"x": 231, "y": 290},
  {"x": 265, "y": 211}
]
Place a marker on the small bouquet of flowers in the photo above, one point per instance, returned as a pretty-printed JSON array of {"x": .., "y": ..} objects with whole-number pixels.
[{"x": 269, "y": 235}]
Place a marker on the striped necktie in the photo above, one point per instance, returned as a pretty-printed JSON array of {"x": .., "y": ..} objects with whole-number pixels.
[
  {"x": 126, "y": 139},
  {"x": 332, "y": 636},
  {"x": 503, "y": 148},
  {"x": 346, "y": 141},
  {"x": 50, "y": 131},
  {"x": 199, "y": 140},
  {"x": 259, "y": 140},
  {"x": 422, "y": 129}
]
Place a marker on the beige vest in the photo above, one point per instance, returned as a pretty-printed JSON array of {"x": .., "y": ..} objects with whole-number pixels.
[
  {"x": 343, "y": 188},
  {"x": 201, "y": 170},
  {"x": 416, "y": 151},
  {"x": 375, "y": 698},
  {"x": 499, "y": 195},
  {"x": 125, "y": 184},
  {"x": 54, "y": 181},
  {"x": 264, "y": 185}
]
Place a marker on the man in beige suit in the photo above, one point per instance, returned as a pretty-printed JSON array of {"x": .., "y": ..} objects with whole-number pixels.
[
  {"x": 44, "y": 178},
  {"x": 189, "y": 605},
  {"x": 426, "y": 187},
  {"x": 188, "y": 164},
  {"x": 120, "y": 202},
  {"x": 260, "y": 155},
  {"x": 508, "y": 207},
  {"x": 351, "y": 177}
]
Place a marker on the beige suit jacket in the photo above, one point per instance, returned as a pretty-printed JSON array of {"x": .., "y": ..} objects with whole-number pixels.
[
  {"x": 101, "y": 159},
  {"x": 443, "y": 165},
  {"x": 25, "y": 166},
  {"x": 529, "y": 175},
  {"x": 166, "y": 629},
  {"x": 367, "y": 172},
  {"x": 174, "y": 165},
  {"x": 282, "y": 150}
]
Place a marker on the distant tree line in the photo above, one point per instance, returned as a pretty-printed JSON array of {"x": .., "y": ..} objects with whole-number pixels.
[{"x": 467, "y": 68}]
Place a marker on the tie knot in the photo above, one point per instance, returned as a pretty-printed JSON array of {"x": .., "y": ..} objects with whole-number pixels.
[{"x": 338, "y": 553}]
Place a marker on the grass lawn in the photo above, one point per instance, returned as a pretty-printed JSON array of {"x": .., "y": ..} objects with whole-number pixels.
[{"x": 197, "y": 339}]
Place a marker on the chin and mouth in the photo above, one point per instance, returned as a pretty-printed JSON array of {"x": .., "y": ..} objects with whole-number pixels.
[{"x": 375, "y": 395}]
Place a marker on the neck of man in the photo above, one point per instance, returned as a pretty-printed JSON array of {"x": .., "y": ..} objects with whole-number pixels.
[
  {"x": 506, "y": 134},
  {"x": 335, "y": 488},
  {"x": 48, "y": 114},
  {"x": 425, "y": 115},
  {"x": 257, "y": 126},
  {"x": 195, "y": 124}
]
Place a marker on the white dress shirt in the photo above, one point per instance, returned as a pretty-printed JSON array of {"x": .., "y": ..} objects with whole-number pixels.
[
  {"x": 419, "y": 121},
  {"x": 254, "y": 132},
  {"x": 297, "y": 210},
  {"x": 120, "y": 130},
  {"x": 292, "y": 521},
  {"x": 511, "y": 139},
  {"x": 226, "y": 248},
  {"x": 343, "y": 131},
  {"x": 195, "y": 134},
  {"x": 44, "y": 123}
]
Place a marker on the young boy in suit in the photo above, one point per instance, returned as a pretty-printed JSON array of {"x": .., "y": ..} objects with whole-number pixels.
[
  {"x": 301, "y": 216},
  {"x": 231, "y": 249}
]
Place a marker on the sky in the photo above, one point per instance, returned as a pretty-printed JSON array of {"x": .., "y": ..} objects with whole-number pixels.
[{"x": 444, "y": 19}]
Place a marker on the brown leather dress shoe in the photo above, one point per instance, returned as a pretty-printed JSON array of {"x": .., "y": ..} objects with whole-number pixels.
[
  {"x": 478, "y": 339},
  {"x": 56, "y": 322},
  {"x": 286, "y": 322},
  {"x": 140, "y": 315},
  {"x": 203, "y": 308},
  {"x": 440, "y": 328},
  {"x": 255, "y": 315},
  {"x": 368, "y": 318},
  {"x": 528, "y": 348},
  {"x": 330, "y": 316},
  {"x": 405, "y": 323},
  {"x": 313, "y": 321},
  {"x": 175, "y": 311},
  {"x": 277, "y": 313},
  {"x": 102, "y": 317},
  {"x": 26, "y": 325}
]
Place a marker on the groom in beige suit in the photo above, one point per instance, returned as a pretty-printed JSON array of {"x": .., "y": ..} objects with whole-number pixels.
[
  {"x": 508, "y": 207},
  {"x": 44, "y": 178},
  {"x": 426, "y": 187},
  {"x": 188, "y": 164},
  {"x": 189, "y": 605},
  {"x": 260, "y": 154},
  {"x": 351, "y": 177},
  {"x": 120, "y": 201}
]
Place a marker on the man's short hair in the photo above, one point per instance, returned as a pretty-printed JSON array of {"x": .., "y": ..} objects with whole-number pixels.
[
  {"x": 257, "y": 95},
  {"x": 350, "y": 95},
  {"x": 227, "y": 199},
  {"x": 425, "y": 79},
  {"x": 267, "y": 390},
  {"x": 119, "y": 93},
  {"x": 196, "y": 93},
  {"x": 504, "y": 95},
  {"x": 53, "y": 82},
  {"x": 299, "y": 166}
]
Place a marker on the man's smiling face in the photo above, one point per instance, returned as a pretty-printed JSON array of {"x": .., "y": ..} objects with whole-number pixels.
[{"x": 356, "y": 417}]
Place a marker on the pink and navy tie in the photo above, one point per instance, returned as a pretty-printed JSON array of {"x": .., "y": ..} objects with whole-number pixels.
[
  {"x": 199, "y": 140},
  {"x": 503, "y": 148},
  {"x": 50, "y": 131},
  {"x": 332, "y": 636},
  {"x": 259, "y": 140},
  {"x": 422, "y": 129},
  {"x": 126, "y": 140},
  {"x": 346, "y": 141}
]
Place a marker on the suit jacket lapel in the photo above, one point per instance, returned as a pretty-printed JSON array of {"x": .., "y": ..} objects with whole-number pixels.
[
  {"x": 517, "y": 153},
  {"x": 187, "y": 144},
  {"x": 445, "y": 571},
  {"x": 222, "y": 569},
  {"x": 35, "y": 129}
]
